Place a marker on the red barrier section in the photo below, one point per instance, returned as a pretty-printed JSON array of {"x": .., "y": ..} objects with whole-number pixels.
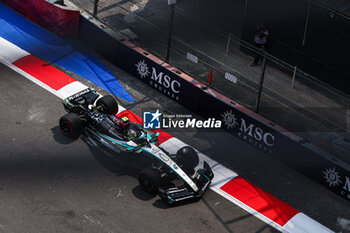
[
  {"x": 42, "y": 71},
  {"x": 261, "y": 201},
  {"x": 54, "y": 18}
]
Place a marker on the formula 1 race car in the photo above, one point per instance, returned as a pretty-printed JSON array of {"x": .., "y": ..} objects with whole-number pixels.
[{"x": 93, "y": 116}]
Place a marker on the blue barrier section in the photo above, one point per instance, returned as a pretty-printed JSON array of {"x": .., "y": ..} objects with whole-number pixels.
[{"x": 68, "y": 54}]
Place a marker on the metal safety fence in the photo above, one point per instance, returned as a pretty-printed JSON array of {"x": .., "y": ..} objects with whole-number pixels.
[{"x": 211, "y": 51}]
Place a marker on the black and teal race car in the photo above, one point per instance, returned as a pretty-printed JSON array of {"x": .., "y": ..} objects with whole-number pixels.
[{"x": 93, "y": 117}]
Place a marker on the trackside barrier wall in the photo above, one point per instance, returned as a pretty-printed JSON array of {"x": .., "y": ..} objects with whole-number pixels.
[
  {"x": 242, "y": 122},
  {"x": 283, "y": 145},
  {"x": 97, "y": 39},
  {"x": 55, "y": 18},
  {"x": 142, "y": 65}
]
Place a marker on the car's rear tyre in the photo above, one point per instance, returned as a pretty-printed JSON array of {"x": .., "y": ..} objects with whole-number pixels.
[
  {"x": 149, "y": 180},
  {"x": 188, "y": 157},
  {"x": 108, "y": 105},
  {"x": 71, "y": 125}
]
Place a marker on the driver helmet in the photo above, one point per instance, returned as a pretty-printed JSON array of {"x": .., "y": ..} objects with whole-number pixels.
[{"x": 131, "y": 133}]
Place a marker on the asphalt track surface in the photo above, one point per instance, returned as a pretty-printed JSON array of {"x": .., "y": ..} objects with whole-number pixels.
[{"x": 51, "y": 184}]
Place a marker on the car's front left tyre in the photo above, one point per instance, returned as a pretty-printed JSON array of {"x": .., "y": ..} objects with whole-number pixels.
[{"x": 149, "y": 180}]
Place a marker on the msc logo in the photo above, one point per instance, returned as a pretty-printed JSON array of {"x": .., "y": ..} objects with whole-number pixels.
[{"x": 151, "y": 120}]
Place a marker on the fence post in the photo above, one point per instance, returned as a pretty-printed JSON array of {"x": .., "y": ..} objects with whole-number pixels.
[
  {"x": 210, "y": 77},
  {"x": 172, "y": 5},
  {"x": 245, "y": 8},
  {"x": 294, "y": 74},
  {"x": 306, "y": 23},
  {"x": 262, "y": 76},
  {"x": 228, "y": 43},
  {"x": 95, "y": 8}
]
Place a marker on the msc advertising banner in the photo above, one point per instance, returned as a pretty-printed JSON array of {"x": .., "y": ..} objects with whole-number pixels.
[
  {"x": 158, "y": 77},
  {"x": 299, "y": 155}
]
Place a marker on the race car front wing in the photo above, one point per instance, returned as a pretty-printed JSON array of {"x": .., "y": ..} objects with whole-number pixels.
[{"x": 202, "y": 179}]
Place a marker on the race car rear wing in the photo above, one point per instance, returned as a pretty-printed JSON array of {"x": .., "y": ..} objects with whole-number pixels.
[{"x": 89, "y": 95}]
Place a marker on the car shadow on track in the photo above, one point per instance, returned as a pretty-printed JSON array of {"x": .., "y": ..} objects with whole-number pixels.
[
  {"x": 60, "y": 137},
  {"x": 142, "y": 195},
  {"x": 124, "y": 163},
  {"x": 129, "y": 164}
]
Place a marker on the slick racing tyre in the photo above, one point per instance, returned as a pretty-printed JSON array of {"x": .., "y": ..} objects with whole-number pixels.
[
  {"x": 108, "y": 105},
  {"x": 71, "y": 125},
  {"x": 188, "y": 157},
  {"x": 149, "y": 180}
]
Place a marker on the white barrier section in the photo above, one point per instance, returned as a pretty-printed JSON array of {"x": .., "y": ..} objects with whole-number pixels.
[
  {"x": 10, "y": 52},
  {"x": 71, "y": 89},
  {"x": 301, "y": 223}
]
